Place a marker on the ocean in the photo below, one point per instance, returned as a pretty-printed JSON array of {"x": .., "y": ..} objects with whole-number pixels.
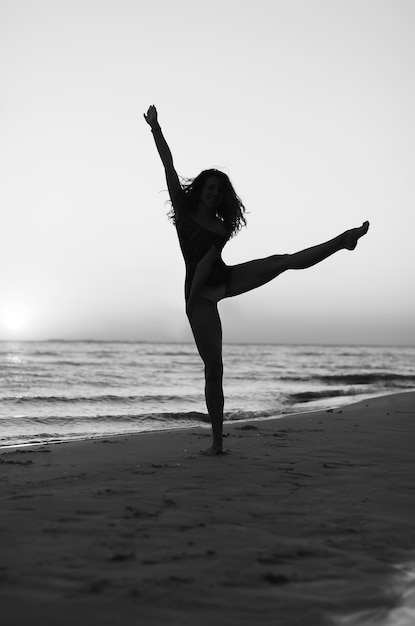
[{"x": 54, "y": 391}]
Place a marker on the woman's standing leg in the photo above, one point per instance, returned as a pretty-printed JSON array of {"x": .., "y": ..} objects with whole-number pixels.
[{"x": 207, "y": 331}]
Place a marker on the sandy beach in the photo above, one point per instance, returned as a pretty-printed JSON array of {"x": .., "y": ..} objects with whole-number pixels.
[{"x": 303, "y": 522}]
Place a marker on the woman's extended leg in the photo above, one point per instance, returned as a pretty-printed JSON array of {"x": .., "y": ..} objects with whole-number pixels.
[
  {"x": 207, "y": 331},
  {"x": 253, "y": 274}
]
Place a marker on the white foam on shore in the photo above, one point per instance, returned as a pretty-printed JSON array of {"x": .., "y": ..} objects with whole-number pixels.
[{"x": 403, "y": 611}]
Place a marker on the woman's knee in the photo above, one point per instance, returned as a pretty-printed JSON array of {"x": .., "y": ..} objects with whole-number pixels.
[
  {"x": 214, "y": 371},
  {"x": 282, "y": 262}
]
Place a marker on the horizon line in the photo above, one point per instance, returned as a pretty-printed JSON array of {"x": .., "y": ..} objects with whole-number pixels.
[{"x": 190, "y": 342}]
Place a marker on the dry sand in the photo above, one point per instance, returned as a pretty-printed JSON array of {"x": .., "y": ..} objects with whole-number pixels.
[{"x": 304, "y": 520}]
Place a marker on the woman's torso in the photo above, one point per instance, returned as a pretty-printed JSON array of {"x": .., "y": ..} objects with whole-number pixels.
[{"x": 195, "y": 240}]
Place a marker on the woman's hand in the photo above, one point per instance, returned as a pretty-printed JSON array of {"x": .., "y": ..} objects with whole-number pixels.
[{"x": 151, "y": 116}]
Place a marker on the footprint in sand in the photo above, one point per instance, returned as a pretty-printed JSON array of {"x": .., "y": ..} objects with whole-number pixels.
[{"x": 4, "y": 462}]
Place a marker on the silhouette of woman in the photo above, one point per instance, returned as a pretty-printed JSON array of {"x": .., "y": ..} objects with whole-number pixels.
[{"x": 207, "y": 213}]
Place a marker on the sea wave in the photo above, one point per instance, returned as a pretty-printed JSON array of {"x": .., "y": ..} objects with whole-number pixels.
[
  {"x": 368, "y": 378},
  {"x": 308, "y": 396},
  {"x": 98, "y": 399},
  {"x": 127, "y": 418}
]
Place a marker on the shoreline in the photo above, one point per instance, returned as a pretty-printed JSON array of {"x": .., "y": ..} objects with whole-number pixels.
[
  {"x": 304, "y": 521},
  {"x": 205, "y": 424}
]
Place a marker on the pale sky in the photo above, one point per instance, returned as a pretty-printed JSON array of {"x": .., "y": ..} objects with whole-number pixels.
[{"x": 308, "y": 106}]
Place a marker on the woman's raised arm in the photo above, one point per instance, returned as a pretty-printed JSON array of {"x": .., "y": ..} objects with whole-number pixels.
[{"x": 173, "y": 183}]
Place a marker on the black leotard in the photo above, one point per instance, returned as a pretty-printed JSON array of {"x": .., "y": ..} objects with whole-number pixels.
[{"x": 195, "y": 240}]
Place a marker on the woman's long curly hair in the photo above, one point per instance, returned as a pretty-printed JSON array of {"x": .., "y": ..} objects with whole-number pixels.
[{"x": 231, "y": 210}]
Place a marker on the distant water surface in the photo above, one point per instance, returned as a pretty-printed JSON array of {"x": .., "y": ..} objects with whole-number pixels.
[{"x": 59, "y": 390}]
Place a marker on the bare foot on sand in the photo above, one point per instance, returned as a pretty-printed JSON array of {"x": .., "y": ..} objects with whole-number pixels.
[
  {"x": 352, "y": 236},
  {"x": 214, "y": 450}
]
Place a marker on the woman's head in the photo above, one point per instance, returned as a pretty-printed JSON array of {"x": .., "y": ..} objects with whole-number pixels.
[
  {"x": 211, "y": 194},
  {"x": 214, "y": 190}
]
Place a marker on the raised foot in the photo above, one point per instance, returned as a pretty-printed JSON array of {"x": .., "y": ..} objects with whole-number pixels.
[{"x": 353, "y": 235}]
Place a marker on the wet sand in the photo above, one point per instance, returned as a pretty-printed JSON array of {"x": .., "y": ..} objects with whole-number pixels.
[{"x": 303, "y": 521}]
